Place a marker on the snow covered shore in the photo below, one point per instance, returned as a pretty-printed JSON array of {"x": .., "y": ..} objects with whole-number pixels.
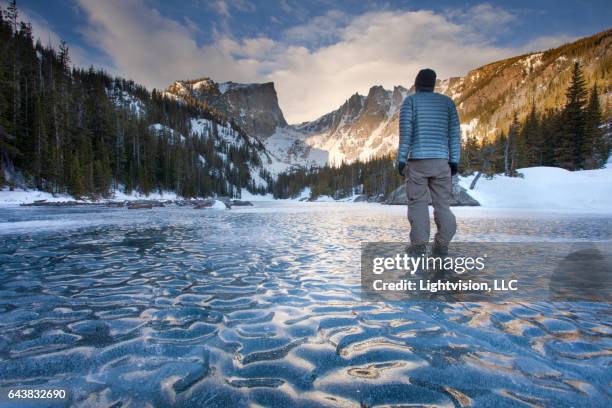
[
  {"x": 23, "y": 196},
  {"x": 546, "y": 188},
  {"x": 539, "y": 188}
]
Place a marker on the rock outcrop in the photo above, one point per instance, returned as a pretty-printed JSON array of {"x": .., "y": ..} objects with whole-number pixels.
[
  {"x": 460, "y": 197},
  {"x": 254, "y": 107}
]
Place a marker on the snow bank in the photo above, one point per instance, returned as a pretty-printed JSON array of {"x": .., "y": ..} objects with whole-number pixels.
[
  {"x": 327, "y": 199},
  {"x": 23, "y": 196},
  {"x": 119, "y": 195},
  {"x": 546, "y": 188},
  {"x": 20, "y": 196},
  {"x": 304, "y": 195},
  {"x": 218, "y": 205}
]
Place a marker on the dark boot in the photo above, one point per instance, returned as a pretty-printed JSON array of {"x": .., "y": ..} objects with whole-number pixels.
[
  {"x": 416, "y": 250},
  {"x": 439, "y": 249}
]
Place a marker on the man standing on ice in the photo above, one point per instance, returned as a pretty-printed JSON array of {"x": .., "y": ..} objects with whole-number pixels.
[{"x": 428, "y": 156}]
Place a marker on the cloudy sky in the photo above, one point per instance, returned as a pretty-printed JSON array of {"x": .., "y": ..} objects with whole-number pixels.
[{"x": 318, "y": 53}]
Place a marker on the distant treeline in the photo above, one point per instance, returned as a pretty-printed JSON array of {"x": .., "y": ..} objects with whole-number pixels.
[
  {"x": 83, "y": 132},
  {"x": 574, "y": 137},
  {"x": 374, "y": 178}
]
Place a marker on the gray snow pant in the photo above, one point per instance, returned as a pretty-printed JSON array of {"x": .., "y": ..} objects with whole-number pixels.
[{"x": 433, "y": 175}]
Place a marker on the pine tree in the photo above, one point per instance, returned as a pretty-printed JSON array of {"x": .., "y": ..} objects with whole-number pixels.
[
  {"x": 595, "y": 148},
  {"x": 470, "y": 160},
  {"x": 12, "y": 15},
  {"x": 531, "y": 141},
  {"x": 5, "y": 145},
  {"x": 569, "y": 150},
  {"x": 75, "y": 185},
  {"x": 511, "y": 148},
  {"x": 550, "y": 126},
  {"x": 500, "y": 148}
]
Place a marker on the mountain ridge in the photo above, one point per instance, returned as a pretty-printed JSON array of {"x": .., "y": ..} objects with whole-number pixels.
[{"x": 366, "y": 126}]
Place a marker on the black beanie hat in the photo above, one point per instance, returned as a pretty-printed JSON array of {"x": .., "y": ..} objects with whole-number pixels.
[{"x": 425, "y": 80}]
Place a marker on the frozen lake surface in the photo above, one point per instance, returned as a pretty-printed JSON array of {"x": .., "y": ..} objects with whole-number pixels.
[{"x": 261, "y": 306}]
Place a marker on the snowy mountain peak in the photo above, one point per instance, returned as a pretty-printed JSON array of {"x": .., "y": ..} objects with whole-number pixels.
[
  {"x": 399, "y": 93},
  {"x": 363, "y": 127}
]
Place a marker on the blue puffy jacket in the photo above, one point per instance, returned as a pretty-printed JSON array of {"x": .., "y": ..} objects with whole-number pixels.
[{"x": 429, "y": 128}]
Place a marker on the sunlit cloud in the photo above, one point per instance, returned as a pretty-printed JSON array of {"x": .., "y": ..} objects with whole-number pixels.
[{"x": 317, "y": 65}]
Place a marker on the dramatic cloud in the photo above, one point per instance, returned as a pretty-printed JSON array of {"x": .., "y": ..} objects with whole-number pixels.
[
  {"x": 155, "y": 50},
  {"x": 316, "y": 66}
]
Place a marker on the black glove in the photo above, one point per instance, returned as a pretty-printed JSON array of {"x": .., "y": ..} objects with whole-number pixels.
[
  {"x": 453, "y": 167},
  {"x": 400, "y": 168}
]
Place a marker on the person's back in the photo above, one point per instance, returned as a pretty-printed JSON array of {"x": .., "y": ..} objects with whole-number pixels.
[{"x": 428, "y": 156}]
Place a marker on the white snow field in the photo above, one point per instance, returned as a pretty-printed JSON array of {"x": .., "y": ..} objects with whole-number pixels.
[{"x": 546, "y": 188}]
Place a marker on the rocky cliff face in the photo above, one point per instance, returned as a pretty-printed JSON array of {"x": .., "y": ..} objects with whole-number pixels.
[
  {"x": 254, "y": 107},
  {"x": 361, "y": 128}
]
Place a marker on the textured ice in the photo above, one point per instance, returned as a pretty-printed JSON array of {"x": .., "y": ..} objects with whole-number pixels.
[{"x": 260, "y": 306}]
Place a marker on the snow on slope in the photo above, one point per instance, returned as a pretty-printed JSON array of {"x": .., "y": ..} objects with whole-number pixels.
[
  {"x": 362, "y": 128},
  {"x": 204, "y": 128},
  {"x": 288, "y": 147},
  {"x": 546, "y": 188},
  {"x": 159, "y": 129},
  {"x": 125, "y": 100}
]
